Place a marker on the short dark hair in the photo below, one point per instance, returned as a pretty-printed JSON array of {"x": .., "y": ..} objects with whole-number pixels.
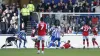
[
  {"x": 86, "y": 23},
  {"x": 41, "y": 19}
]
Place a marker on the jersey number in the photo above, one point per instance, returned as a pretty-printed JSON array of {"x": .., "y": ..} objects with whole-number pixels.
[
  {"x": 42, "y": 26},
  {"x": 86, "y": 29}
]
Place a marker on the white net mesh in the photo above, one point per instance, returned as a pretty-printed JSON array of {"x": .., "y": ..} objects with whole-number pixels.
[{"x": 71, "y": 22}]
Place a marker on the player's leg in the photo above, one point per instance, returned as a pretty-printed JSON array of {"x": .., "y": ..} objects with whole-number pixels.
[
  {"x": 16, "y": 44},
  {"x": 38, "y": 44},
  {"x": 94, "y": 41},
  {"x": 51, "y": 42},
  {"x": 35, "y": 40},
  {"x": 24, "y": 42},
  {"x": 20, "y": 42},
  {"x": 9, "y": 44},
  {"x": 58, "y": 39},
  {"x": 43, "y": 44},
  {"x": 87, "y": 41},
  {"x": 4, "y": 45},
  {"x": 62, "y": 47},
  {"x": 83, "y": 42}
]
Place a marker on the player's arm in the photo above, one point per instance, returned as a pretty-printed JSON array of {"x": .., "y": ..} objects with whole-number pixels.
[{"x": 15, "y": 42}]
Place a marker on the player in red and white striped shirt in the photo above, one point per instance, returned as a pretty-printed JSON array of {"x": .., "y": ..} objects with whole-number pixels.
[
  {"x": 85, "y": 32},
  {"x": 95, "y": 33}
]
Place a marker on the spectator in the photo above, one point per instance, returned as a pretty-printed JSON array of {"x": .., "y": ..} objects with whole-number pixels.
[
  {"x": 31, "y": 7},
  {"x": 4, "y": 25},
  {"x": 47, "y": 6},
  {"x": 25, "y": 13},
  {"x": 77, "y": 8},
  {"x": 52, "y": 3},
  {"x": 49, "y": 9},
  {"x": 55, "y": 8},
  {"x": 59, "y": 7},
  {"x": 94, "y": 20},
  {"x": 3, "y": 6},
  {"x": 39, "y": 7},
  {"x": 14, "y": 18},
  {"x": 65, "y": 9},
  {"x": 8, "y": 19},
  {"x": 11, "y": 30}
]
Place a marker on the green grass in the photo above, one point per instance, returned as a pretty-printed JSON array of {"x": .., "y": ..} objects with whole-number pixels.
[{"x": 50, "y": 52}]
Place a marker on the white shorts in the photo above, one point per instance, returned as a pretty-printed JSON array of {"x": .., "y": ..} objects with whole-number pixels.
[
  {"x": 33, "y": 38},
  {"x": 85, "y": 37},
  {"x": 94, "y": 36},
  {"x": 41, "y": 37}
]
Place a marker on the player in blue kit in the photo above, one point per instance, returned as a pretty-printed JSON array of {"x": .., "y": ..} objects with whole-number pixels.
[
  {"x": 56, "y": 33},
  {"x": 52, "y": 32},
  {"x": 22, "y": 36}
]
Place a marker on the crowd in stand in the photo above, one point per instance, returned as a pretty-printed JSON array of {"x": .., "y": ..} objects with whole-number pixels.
[
  {"x": 69, "y": 23},
  {"x": 8, "y": 18},
  {"x": 69, "y": 6},
  {"x": 9, "y": 14}
]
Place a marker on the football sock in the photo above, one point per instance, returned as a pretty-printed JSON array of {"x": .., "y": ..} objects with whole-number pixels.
[
  {"x": 43, "y": 46},
  {"x": 58, "y": 43},
  {"x": 96, "y": 43},
  {"x": 93, "y": 43},
  {"x": 38, "y": 45}
]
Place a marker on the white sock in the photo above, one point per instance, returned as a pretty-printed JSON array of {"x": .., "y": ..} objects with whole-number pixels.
[
  {"x": 42, "y": 51},
  {"x": 38, "y": 51}
]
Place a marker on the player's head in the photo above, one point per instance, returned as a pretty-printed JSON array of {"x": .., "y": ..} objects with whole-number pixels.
[
  {"x": 86, "y": 23},
  {"x": 41, "y": 19},
  {"x": 68, "y": 41}
]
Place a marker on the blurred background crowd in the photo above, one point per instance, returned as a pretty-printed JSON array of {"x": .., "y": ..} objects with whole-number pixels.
[{"x": 13, "y": 16}]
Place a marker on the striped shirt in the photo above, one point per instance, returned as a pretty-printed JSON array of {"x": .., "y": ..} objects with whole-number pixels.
[
  {"x": 56, "y": 32},
  {"x": 52, "y": 31},
  {"x": 22, "y": 34}
]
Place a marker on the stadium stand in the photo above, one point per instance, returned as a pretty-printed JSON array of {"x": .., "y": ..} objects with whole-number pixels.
[{"x": 9, "y": 14}]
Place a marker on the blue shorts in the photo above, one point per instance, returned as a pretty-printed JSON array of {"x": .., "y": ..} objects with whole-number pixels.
[
  {"x": 22, "y": 38},
  {"x": 58, "y": 39},
  {"x": 52, "y": 38}
]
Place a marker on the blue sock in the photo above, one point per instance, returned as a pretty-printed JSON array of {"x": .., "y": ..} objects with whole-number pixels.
[
  {"x": 51, "y": 43},
  {"x": 58, "y": 43},
  {"x": 24, "y": 44}
]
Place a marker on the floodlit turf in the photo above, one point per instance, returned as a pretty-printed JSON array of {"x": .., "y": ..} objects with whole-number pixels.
[{"x": 50, "y": 52}]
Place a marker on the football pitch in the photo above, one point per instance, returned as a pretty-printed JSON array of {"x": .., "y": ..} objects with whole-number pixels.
[{"x": 50, "y": 52}]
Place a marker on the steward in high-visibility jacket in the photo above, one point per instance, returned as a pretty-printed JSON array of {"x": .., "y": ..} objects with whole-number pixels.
[
  {"x": 25, "y": 15},
  {"x": 31, "y": 7},
  {"x": 25, "y": 12}
]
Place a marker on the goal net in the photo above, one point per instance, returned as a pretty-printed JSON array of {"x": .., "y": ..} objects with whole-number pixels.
[{"x": 71, "y": 22}]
